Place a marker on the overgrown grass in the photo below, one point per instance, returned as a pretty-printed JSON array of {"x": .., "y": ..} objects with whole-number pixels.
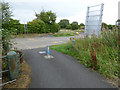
[
  {"x": 99, "y": 53},
  {"x": 63, "y": 33}
]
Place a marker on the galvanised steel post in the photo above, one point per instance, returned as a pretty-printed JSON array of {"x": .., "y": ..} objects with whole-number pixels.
[
  {"x": 100, "y": 21},
  {"x": 87, "y": 16}
]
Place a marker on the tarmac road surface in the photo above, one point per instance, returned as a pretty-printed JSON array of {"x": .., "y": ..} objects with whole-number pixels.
[{"x": 62, "y": 71}]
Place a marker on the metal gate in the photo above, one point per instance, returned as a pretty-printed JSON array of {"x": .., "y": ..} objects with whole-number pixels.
[{"x": 94, "y": 19}]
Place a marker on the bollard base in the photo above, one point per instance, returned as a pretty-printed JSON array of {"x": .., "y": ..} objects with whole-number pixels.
[{"x": 48, "y": 57}]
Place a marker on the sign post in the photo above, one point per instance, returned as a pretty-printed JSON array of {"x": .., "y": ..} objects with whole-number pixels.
[{"x": 48, "y": 51}]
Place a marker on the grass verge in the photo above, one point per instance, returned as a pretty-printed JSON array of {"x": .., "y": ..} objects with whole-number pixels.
[
  {"x": 61, "y": 35},
  {"x": 79, "y": 31},
  {"x": 24, "y": 77},
  {"x": 100, "y": 54},
  {"x": 64, "y": 33}
]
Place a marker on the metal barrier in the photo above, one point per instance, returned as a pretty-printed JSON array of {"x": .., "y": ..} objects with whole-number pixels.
[
  {"x": 13, "y": 58},
  {"x": 4, "y": 72},
  {"x": 94, "y": 19},
  {"x": 13, "y": 64}
]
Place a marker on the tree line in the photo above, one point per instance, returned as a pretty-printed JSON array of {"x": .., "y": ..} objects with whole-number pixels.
[
  {"x": 45, "y": 22},
  {"x": 64, "y": 23}
]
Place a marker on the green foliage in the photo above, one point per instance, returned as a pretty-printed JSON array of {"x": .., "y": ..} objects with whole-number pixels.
[
  {"x": 105, "y": 25},
  {"x": 44, "y": 23},
  {"x": 69, "y": 27},
  {"x": 100, "y": 53},
  {"x": 48, "y": 17},
  {"x": 82, "y": 26},
  {"x": 55, "y": 27},
  {"x": 63, "y": 33},
  {"x": 5, "y": 41},
  {"x": 6, "y": 14},
  {"x": 15, "y": 27},
  {"x": 63, "y": 23},
  {"x": 6, "y": 18},
  {"x": 36, "y": 26},
  {"x": 74, "y": 25},
  {"x": 110, "y": 26},
  {"x": 8, "y": 23}
]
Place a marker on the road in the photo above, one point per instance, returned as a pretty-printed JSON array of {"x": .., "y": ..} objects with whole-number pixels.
[
  {"x": 38, "y": 42},
  {"x": 62, "y": 71}
]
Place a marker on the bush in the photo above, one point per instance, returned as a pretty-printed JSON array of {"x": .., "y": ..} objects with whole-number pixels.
[
  {"x": 36, "y": 26},
  {"x": 5, "y": 41},
  {"x": 69, "y": 27},
  {"x": 63, "y": 23},
  {"x": 55, "y": 27},
  {"x": 74, "y": 25}
]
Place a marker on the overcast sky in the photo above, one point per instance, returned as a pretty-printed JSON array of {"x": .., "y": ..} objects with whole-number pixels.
[{"x": 74, "y": 10}]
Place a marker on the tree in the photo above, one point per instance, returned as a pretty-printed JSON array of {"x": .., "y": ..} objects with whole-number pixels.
[
  {"x": 14, "y": 26},
  {"x": 6, "y": 15},
  {"x": 82, "y": 26},
  {"x": 63, "y": 23},
  {"x": 36, "y": 26},
  {"x": 74, "y": 25},
  {"x": 55, "y": 27},
  {"x": 48, "y": 17},
  {"x": 69, "y": 27}
]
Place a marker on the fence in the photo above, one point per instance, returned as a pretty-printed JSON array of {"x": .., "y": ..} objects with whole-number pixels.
[
  {"x": 94, "y": 19},
  {"x": 12, "y": 61}
]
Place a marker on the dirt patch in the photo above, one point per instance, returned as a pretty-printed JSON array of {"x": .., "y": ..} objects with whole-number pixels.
[{"x": 24, "y": 77}]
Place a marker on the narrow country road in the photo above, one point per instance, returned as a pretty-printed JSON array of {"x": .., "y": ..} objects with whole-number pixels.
[{"x": 62, "y": 71}]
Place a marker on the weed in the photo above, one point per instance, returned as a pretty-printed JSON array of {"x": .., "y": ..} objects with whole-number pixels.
[{"x": 100, "y": 53}]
